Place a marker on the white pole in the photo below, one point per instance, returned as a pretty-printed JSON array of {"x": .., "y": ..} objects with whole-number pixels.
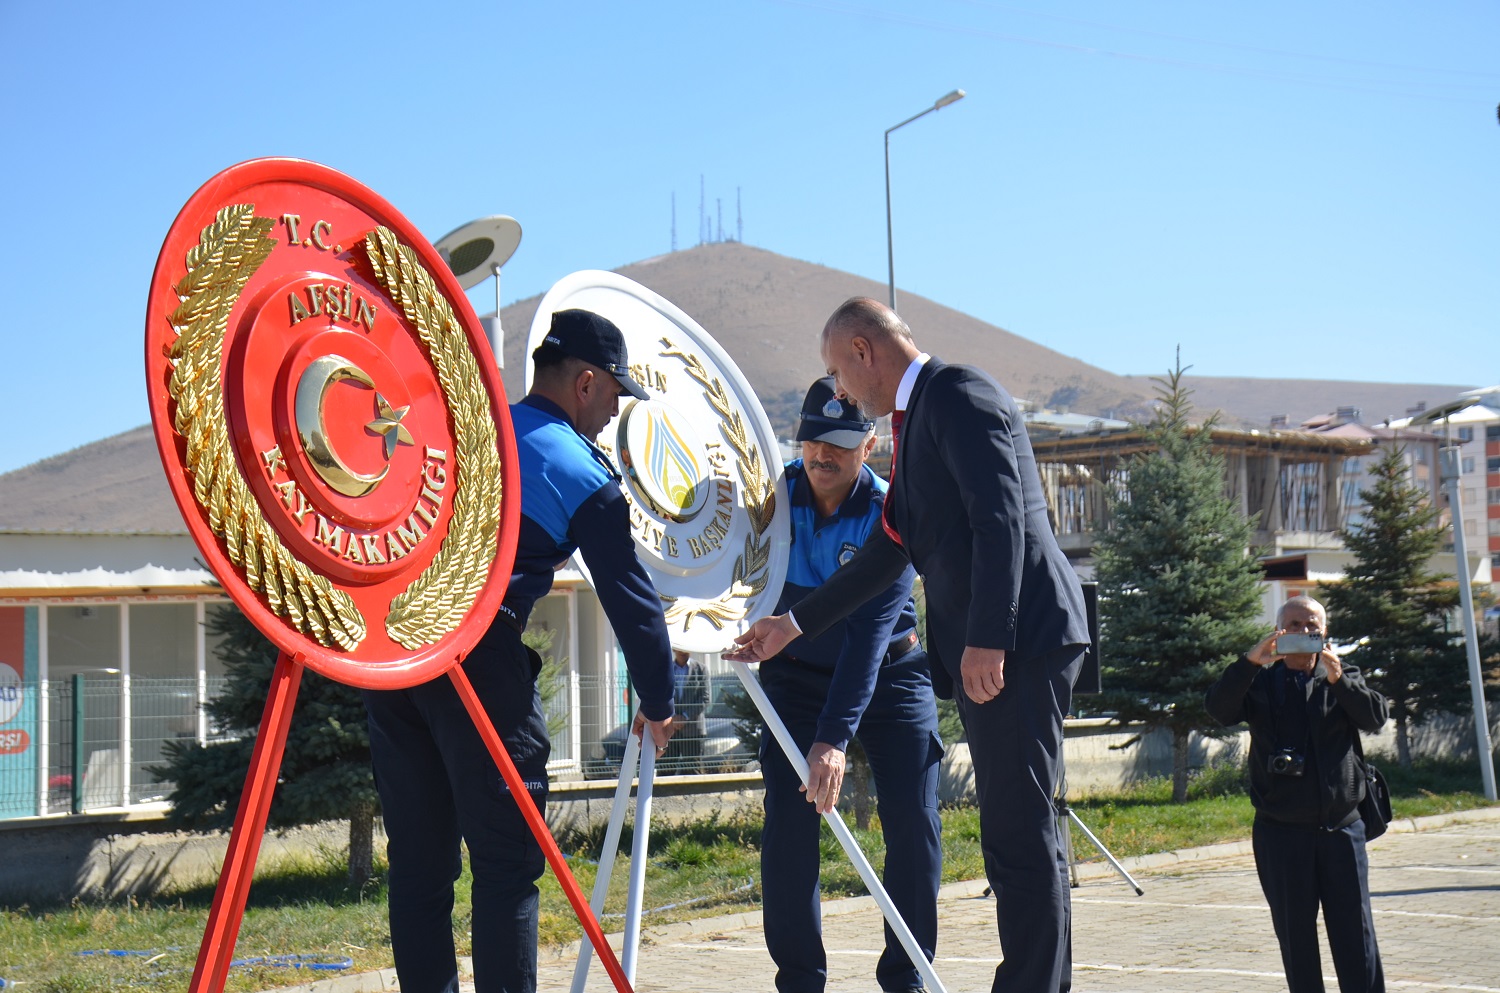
[
  {"x": 638, "y": 859},
  {"x": 497, "y": 338},
  {"x": 607, "y": 854},
  {"x": 1450, "y": 473},
  {"x": 200, "y": 665},
  {"x": 840, "y": 830},
  {"x": 127, "y": 712},
  {"x": 43, "y": 713}
]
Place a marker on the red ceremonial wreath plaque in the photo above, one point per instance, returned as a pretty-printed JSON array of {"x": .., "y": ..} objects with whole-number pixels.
[
  {"x": 332, "y": 423},
  {"x": 334, "y": 430}
]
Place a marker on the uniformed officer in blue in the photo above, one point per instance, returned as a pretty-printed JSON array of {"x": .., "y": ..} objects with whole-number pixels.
[
  {"x": 865, "y": 677},
  {"x": 437, "y": 780}
]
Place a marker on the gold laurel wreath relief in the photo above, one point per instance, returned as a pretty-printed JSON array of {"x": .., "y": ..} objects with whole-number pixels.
[
  {"x": 751, "y": 567},
  {"x": 437, "y": 602},
  {"x": 228, "y": 253}
]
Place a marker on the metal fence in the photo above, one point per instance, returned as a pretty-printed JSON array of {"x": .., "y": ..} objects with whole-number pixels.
[
  {"x": 91, "y": 742},
  {"x": 588, "y": 717}
]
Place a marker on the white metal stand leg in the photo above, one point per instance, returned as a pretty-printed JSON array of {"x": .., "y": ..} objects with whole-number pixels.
[
  {"x": 840, "y": 830},
  {"x": 638, "y": 861},
  {"x": 607, "y": 854}
]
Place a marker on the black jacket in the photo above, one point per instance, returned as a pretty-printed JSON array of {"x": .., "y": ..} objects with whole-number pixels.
[
  {"x": 967, "y": 500},
  {"x": 1328, "y": 792}
]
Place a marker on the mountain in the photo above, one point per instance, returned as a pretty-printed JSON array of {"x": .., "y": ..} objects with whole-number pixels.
[
  {"x": 766, "y": 310},
  {"x": 1253, "y": 402}
]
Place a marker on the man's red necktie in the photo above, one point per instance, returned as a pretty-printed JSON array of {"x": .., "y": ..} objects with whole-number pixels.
[{"x": 885, "y": 510}]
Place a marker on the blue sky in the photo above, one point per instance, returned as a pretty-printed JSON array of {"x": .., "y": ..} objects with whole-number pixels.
[{"x": 1296, "y": 189}]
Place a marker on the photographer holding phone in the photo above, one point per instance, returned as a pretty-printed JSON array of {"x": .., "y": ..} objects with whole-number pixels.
[{"x": 1305, "y": 709}]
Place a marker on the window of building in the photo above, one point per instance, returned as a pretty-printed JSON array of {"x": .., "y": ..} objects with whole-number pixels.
[
  {"x": 1495, "y": 525},
  {"x": 1492, "y": 464},
  {"x": 1468, "y": 464},
  {"x": 1494, "y": 494},
  {"x": 1465, "y": 434},
  {"x": 1351, "y": 466},
  {"x": 1471, "y": 528},
  {"x": 1492, "y": 432}
]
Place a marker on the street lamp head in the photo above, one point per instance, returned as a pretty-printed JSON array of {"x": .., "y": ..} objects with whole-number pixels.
[
  {"x": 944, "y": 101},
  {"x": 475, "y": 250}
]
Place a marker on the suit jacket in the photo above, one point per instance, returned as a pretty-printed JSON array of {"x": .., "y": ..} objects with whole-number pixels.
[{"x": 967, "y": 502}]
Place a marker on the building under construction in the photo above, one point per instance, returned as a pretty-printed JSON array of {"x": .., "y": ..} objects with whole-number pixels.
[{"x": 1298, "y": 485}]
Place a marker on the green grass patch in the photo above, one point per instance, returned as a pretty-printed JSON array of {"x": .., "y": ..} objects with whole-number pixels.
[{"x": 702, "y": 869}]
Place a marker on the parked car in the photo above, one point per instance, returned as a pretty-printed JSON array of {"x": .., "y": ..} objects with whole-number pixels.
[{"x": 718, "y": 750}]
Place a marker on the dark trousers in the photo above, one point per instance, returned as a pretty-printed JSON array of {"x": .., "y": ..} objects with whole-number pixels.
[
  {"x": 1302, "y": 868},
  {"x": 899, "y": 735},
  {"x": 1015, "y": 744},
  {"x": 438, "y": 783}
]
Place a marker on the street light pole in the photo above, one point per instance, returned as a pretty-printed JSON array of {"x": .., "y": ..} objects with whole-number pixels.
[
  {"x": 890, "y": 243},
  {"x": 1449, "y": 469},
  {"x": 1450, "y": 473}
]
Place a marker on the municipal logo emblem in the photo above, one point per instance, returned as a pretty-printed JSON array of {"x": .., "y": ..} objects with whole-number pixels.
[{"x": 700, "y": 466}]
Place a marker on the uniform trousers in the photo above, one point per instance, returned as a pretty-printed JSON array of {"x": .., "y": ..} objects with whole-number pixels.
[
  {"x": 1015, "y": 744},
  {"x": 438, "y": 784},
  {"x": 899, "y": 735},
  {"x": 1303, "y": 867}
]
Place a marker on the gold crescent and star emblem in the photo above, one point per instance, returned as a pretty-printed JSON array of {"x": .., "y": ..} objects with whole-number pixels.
[
  {"x": 340, "y": 534},
  {"x": 320, "y": 376}
]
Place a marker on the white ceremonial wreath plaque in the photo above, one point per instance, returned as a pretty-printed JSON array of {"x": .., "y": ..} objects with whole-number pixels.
[{"x": 699, "y": 462}]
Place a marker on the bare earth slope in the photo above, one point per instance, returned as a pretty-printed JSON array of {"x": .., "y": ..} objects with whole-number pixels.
[
  {"x": 1253, "y": 402},
  {"x": 767, "y": 309}
]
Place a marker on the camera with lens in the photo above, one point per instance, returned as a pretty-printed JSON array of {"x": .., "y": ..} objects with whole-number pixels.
[{"x": 1287, "y": 762}]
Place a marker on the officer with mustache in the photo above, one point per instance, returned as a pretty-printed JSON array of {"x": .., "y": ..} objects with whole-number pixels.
[{"x": 866, "y": 677}]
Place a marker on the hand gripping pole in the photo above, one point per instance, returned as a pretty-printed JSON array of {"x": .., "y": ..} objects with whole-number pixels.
[
  {"x": 538, "y": 826},
  {"x": 840, "y": 829}
]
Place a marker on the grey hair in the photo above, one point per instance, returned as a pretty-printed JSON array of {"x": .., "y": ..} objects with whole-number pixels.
[{"x": 1301, "y": 600}]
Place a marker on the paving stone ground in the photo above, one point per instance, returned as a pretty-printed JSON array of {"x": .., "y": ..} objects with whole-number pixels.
[{"x": 1201, "y": 925}]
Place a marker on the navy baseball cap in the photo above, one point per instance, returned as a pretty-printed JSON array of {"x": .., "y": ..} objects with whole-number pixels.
[
  {"x": 583, "y": 334},
  {"x": 828, "y": 419}
]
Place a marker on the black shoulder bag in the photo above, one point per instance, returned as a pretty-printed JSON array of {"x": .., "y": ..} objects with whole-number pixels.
[{"x": 1375, "y": 808}]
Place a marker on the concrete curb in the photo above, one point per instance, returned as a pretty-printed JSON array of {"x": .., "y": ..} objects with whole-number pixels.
[{"x": 384, "y": 980}]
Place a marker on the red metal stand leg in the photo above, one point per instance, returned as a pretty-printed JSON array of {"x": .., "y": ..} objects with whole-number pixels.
[
  {"x": 538, "y": 829},
  {"x": 228, "y": 909}
]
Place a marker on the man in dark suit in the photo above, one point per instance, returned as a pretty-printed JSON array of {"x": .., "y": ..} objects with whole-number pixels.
[{"x": 1005, "y": 615}]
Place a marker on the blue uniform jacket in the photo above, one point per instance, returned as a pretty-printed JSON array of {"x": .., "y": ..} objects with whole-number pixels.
[
  {"x": 853, "y": 650},
  {"x": 571, "y": 500}
]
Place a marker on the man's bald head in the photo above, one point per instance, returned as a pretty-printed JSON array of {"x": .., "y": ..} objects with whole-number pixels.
[
  {"x": 871, "y": 318},
  {"x": 867, "y": 349}
]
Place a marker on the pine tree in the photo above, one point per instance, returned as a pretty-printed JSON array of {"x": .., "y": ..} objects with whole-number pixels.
[
  {"x": 325, "y": 771},
  {"x": 1396, "y": 608},
  {"x": 1179, "y": 590}
]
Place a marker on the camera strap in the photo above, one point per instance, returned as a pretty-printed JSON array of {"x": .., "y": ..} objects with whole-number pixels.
[{"x": 1293, "y": 728}]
